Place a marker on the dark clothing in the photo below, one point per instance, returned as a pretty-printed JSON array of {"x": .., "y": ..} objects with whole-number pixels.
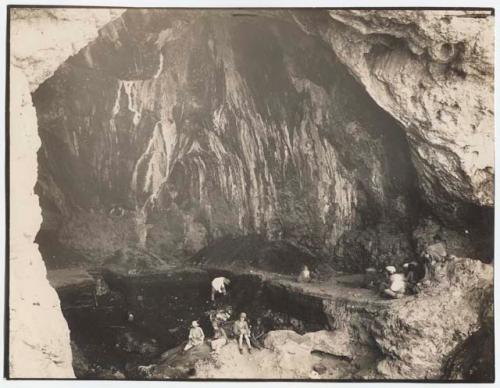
[{"x": 415, "y": 272}]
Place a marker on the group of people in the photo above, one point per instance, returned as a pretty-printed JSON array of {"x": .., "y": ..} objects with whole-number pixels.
[
  {"x": 414, "y": 276},
  {"x": 241, "y": 329}
]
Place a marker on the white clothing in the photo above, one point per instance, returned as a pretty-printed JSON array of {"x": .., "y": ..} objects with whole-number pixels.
[
  {"x": 218, "y": 284},
  {"x": 398, "y": 283}
]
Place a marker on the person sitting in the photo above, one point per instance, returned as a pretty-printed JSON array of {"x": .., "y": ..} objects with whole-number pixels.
[
  {"x": 219, "y": 286},
  {"x": 413, "y": 276},
  {"x": 397, "y": 284},
  {"x": 196, "y": 336},
  {"x": 410, "y": 271},
  {"x": 242, "y": 331},
  {"x": 220, "y": 338},
  {"x": 304, "y": 276}
]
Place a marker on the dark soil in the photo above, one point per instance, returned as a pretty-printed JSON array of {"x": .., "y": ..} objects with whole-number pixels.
[{"x": 163, "y": 306}]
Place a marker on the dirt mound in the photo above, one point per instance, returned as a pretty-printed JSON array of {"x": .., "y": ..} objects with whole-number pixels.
[
  {"x": 257, "y": 253},
  {"x": 133, "y": 261}
]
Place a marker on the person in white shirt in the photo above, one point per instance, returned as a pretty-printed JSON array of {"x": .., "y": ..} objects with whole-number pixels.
[
  {"x": 219, "y": 286},
  {"x": 196, "y": 336},
  {"x": 304, "y": 276},
  {"x": 397, "y": 283}
]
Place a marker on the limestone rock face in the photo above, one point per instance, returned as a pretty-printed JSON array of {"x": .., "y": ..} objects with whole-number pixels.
[
  {"x": 50, "y": 35},
  {"x": 171, "y": 131},
  {"x": 289, "y": 356},
  {"x": 433, "y": 71},
  {"x": 39, "y": 344},
  {"x": 472, "y": 359},
  {"x": 335, "y": 343},
  {"x": 416, "y": 335}
]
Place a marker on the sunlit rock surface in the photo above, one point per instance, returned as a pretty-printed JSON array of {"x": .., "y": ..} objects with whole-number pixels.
[
  {"x": 39, "y": 338},
  {"x": 433, "y": 71},
  {"x": 50, "y": 35},
  {"x": 416, "y": 335}
]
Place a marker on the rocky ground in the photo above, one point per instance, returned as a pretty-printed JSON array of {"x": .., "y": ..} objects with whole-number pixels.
[
  {"x": 345, "y": 331},
  {"x": 409, "y": 338},
  {"x": 286, "y": 355}
]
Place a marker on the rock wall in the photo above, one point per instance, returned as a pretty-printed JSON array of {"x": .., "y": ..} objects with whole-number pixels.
[
  {"x": 433, "y": 71},
  {"x": 170, "y": 132},
  {"x": 416, "y": 336},
  {"x": 38, "y": 334},
  {"x": 176, "y": 128}
]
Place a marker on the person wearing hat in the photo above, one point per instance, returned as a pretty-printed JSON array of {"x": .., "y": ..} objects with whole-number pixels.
[
  {"x": 196, "y": 336},
  {"x": 242, "y": 331},
  {"x": 397, "y": 284},
  {"x": 219, "y": 286}
]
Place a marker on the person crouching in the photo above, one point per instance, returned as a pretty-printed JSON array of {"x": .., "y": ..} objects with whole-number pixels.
[
  {"x": 242, "y": 331},
  {"x": 396, "y": 286}
]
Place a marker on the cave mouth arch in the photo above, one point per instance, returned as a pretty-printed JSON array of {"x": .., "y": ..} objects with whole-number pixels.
[
  {"x": 275, "y": 128},
  {"x": 200, "y": 125}
]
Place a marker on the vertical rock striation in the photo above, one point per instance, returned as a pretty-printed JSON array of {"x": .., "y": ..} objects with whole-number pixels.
[{"x": 172, "y": 131}]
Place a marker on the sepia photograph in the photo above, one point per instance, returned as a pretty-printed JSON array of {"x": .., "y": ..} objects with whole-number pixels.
[{"x": 295, "y": 194}]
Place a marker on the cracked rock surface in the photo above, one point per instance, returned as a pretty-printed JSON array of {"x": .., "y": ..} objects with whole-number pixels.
[{"x": 433, "y": 71}]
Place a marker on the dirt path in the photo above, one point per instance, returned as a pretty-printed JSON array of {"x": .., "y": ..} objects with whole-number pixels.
[{"x": 346, "y": 287}]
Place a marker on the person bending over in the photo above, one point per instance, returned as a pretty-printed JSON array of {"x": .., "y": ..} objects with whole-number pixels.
[{"x": 219, "y": 286}]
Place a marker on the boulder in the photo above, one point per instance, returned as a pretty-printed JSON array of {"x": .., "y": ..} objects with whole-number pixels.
[{"x": 414, "y": 336}]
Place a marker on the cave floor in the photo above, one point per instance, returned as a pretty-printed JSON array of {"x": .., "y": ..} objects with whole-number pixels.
[
  {"x": 343, "y": 286},
  {"x": 348, "y": 287},
  {"x": 155, "y": 320}
]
